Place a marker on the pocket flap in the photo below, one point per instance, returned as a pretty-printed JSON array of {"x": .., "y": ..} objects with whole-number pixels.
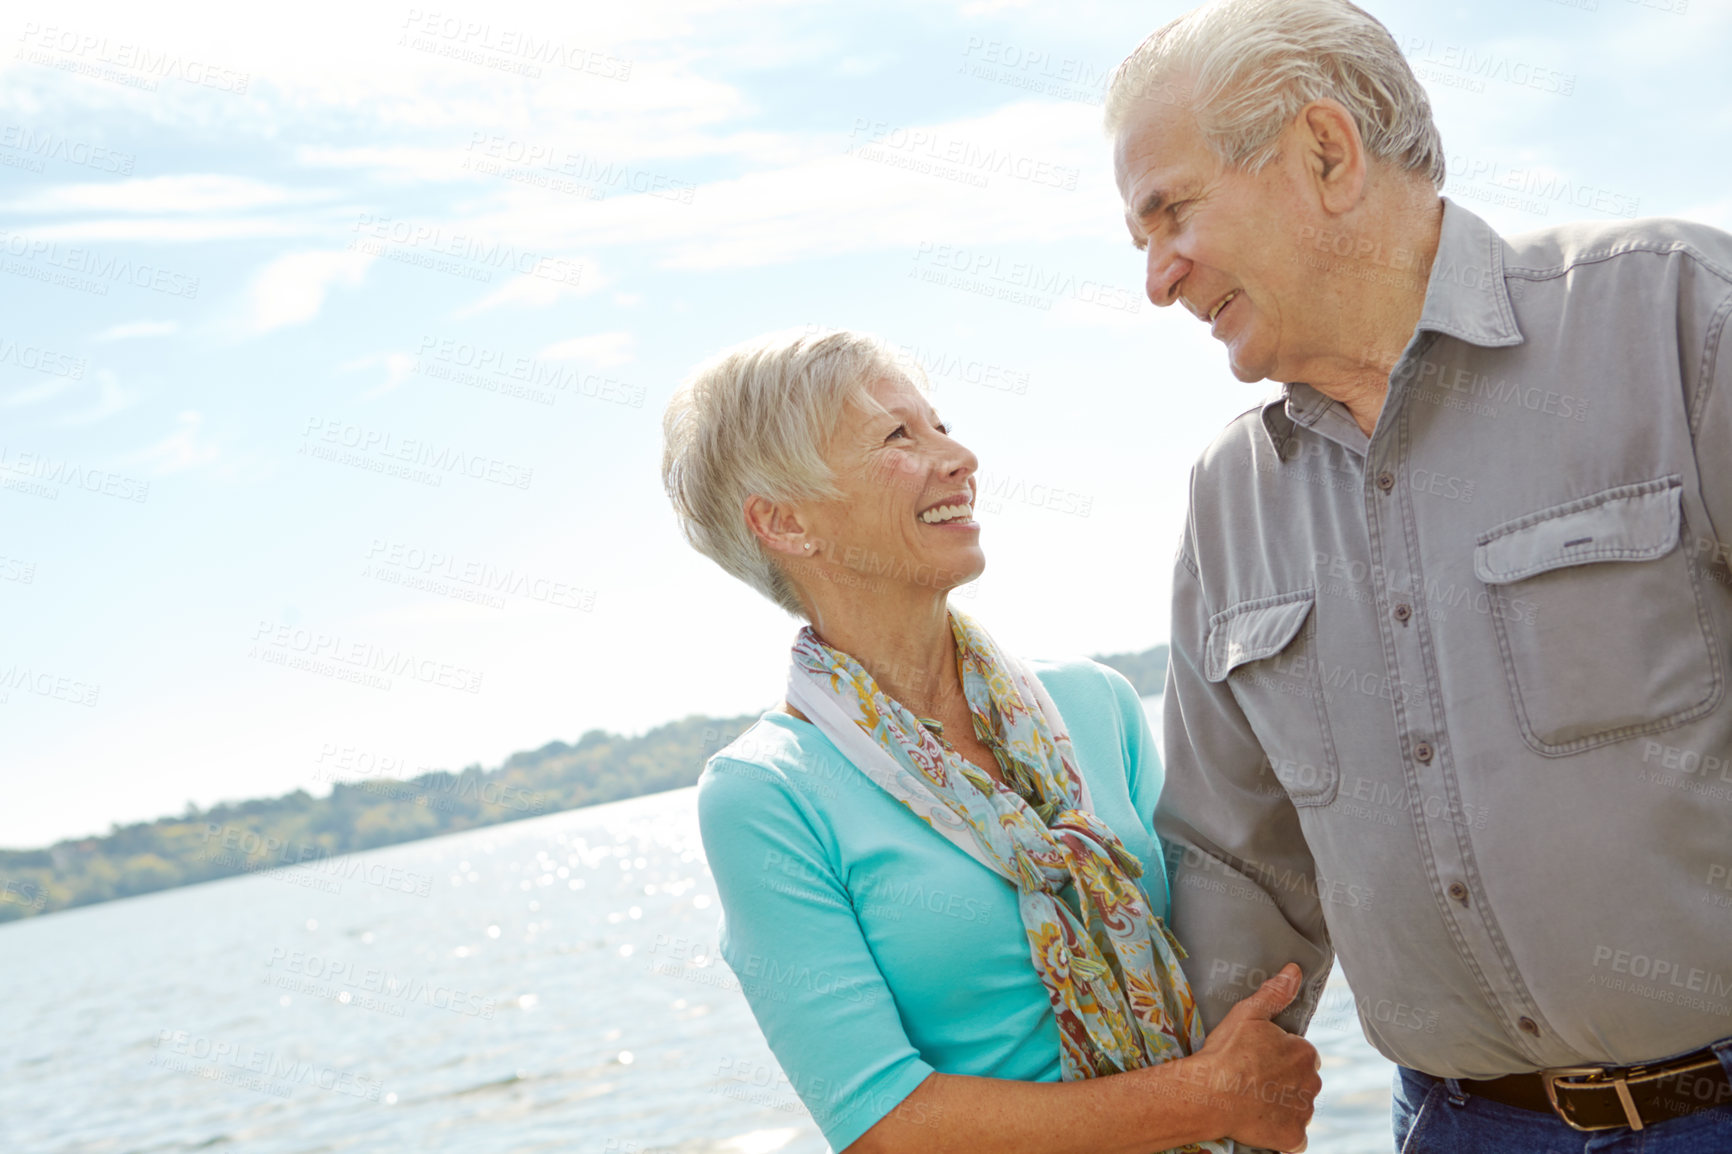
[
  {"x": 1253, "y": 630},
  {"x": 1629, "y": 523}
]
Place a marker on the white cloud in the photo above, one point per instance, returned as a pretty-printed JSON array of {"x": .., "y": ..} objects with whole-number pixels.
[
  {"x": 381, "y": 71},
  {"x": 398, "y": 367},
  {"x": 111, "y": 398},
  {"x": 291, "y": 289},
  {"x": 887, "y": 186},
  {"x": 138, "y": 329},
  {"x": 602, "y": 349},
  {"x": 799, "y": 195},
  {"x": 537, "y": 291},
  {"x": 398, "y": 164},
  {"x": 38, "y": 392},
  {"x": 181, "y": 229},
  {"x": 185, "y": 192},
  {"x": 180, "y": 450}
]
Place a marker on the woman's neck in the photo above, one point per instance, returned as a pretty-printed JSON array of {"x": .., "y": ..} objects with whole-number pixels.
[{"x": 909, "y": 651}]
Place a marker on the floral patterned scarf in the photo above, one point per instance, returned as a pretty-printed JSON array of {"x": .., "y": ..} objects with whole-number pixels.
[{"x": 1112, "y": 974}]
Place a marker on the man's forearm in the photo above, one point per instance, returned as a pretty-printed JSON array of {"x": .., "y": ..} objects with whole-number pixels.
[{"x": 1237, "y": 933}]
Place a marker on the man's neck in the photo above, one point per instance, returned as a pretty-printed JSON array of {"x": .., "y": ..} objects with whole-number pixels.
[{"x": 1376, "y": 316}]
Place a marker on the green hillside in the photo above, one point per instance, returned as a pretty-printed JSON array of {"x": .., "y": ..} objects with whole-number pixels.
[{"x": 294, "y": 829}]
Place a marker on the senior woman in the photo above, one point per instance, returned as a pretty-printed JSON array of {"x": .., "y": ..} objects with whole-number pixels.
[{"x": 940, "y": 890}]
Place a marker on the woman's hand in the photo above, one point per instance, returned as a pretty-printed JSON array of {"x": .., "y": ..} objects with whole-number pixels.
[{"x": 1260, "y": 1079}]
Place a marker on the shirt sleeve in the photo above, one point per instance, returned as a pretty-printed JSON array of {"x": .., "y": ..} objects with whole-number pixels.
[
  {"x": 1224, "y": 824},
  {"x": 1711, "y": 420},
  {"x": 790, "y": 935}
]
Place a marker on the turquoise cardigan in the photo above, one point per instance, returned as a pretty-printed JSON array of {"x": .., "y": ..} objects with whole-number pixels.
[{"x": 872, "y": 951}]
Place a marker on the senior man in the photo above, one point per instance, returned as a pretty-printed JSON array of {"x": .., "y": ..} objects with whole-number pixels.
[{"x": 1447, "y": 691}]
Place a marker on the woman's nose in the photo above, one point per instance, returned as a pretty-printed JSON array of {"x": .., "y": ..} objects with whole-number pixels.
[{"x": 962, "y": 461}]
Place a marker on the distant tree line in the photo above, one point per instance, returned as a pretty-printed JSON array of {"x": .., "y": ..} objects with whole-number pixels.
[
  {"x": 268, "y": 833},
  {"x": 1146, "y": 670}
]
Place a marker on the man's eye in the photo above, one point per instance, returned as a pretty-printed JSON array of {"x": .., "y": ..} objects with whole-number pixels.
[
  {"x": 943, "y": 428},
  {"x": 899, "y": 431}
]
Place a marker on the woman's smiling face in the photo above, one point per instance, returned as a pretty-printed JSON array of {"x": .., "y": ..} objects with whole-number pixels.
[{"x": 906, "y": 513}]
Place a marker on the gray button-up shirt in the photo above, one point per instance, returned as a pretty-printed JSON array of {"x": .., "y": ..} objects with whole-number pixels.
[{"x": 1450, "y": 701}]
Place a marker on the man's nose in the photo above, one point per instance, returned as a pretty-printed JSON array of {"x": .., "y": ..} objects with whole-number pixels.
[{"x": 1166, "y": 269}]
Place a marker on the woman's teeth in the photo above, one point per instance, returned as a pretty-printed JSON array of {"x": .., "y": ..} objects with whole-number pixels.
[{"x": 947, "y": 513}]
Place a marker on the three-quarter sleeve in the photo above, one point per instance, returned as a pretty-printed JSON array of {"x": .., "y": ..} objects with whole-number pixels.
[
  {"x": 1143, "y": 774},
  {"x": 1223, "y": 831},
  {"x": 790, "y": 935},
  {"x": 1143, "y": 771}
]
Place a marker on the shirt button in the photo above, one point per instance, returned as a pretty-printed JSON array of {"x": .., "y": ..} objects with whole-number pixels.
[
  {"x": 1530, "y": 1026},
  {"x": 1403, "y": 611},
  {"x": 1386, "y": 480},
  {"x": 1422, "y": 752},
  {"x": 1458, "y": 892}
]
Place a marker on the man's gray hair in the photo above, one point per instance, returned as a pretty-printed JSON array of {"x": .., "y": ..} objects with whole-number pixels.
[
  {"x": 1246, "y": 68},
  {"x": 756, "y": 419}
]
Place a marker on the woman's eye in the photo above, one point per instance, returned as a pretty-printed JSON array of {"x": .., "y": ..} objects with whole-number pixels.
[
  {"x": 943, "y": 428},
  {"x": 899, "y": 431}
]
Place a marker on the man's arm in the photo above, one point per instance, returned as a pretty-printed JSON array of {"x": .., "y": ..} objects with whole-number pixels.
[
  {"x": 1710, "y": 311},
  {"x": 1224, "y": 823}
]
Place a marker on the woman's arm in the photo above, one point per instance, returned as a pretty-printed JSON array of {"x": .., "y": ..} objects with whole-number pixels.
[
  {"x": 791, "y": 936},
  {"x": 1252, "y": 1081}
]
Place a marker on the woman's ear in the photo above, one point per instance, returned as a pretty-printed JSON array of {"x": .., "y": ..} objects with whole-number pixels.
[{"x": 778, "y": 526}]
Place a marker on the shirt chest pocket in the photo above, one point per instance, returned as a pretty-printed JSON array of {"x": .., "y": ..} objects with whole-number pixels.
[
  {"x": 1599, "y": 618},
  {"x": 1265, "y": 650}
]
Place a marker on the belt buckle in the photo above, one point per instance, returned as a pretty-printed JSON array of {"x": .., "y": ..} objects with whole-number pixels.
[{"x": 1618, "y": 1082}]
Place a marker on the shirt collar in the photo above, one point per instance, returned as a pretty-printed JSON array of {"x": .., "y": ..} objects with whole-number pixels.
[
  {"x": 1299, "y": 405},
  {"x": 1466, "y": 297}
]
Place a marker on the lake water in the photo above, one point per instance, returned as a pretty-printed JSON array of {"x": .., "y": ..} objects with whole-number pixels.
[{"x": 533, "y": 999}]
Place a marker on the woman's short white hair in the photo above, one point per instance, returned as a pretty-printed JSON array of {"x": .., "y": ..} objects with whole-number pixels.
[
  {"x": 1251, "y": 65},
  {"x": 756, "y": 419}
]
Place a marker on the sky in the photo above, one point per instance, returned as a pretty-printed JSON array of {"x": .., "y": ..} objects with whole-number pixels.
[{"x": 348, "y": 329}]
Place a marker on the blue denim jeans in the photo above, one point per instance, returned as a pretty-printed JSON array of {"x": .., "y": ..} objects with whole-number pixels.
[{"x": 1434, "y": 1116}]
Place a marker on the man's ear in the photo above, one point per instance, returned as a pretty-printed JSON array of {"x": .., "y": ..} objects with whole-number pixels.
[
  {"x": 777, "y": 525},
  {"x": 1333, "y": 155}
]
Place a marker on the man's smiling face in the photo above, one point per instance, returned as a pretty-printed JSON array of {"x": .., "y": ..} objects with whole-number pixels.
[{"x": 1221, "y": 242}]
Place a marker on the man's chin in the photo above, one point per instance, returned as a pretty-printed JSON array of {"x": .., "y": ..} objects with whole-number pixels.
[
  {"x": 1241, "y": 364},
  {"x": 1248, "y": 373}
]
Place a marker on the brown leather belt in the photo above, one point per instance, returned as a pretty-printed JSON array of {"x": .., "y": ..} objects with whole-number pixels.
[{"x": 1608, "y": 1097}]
